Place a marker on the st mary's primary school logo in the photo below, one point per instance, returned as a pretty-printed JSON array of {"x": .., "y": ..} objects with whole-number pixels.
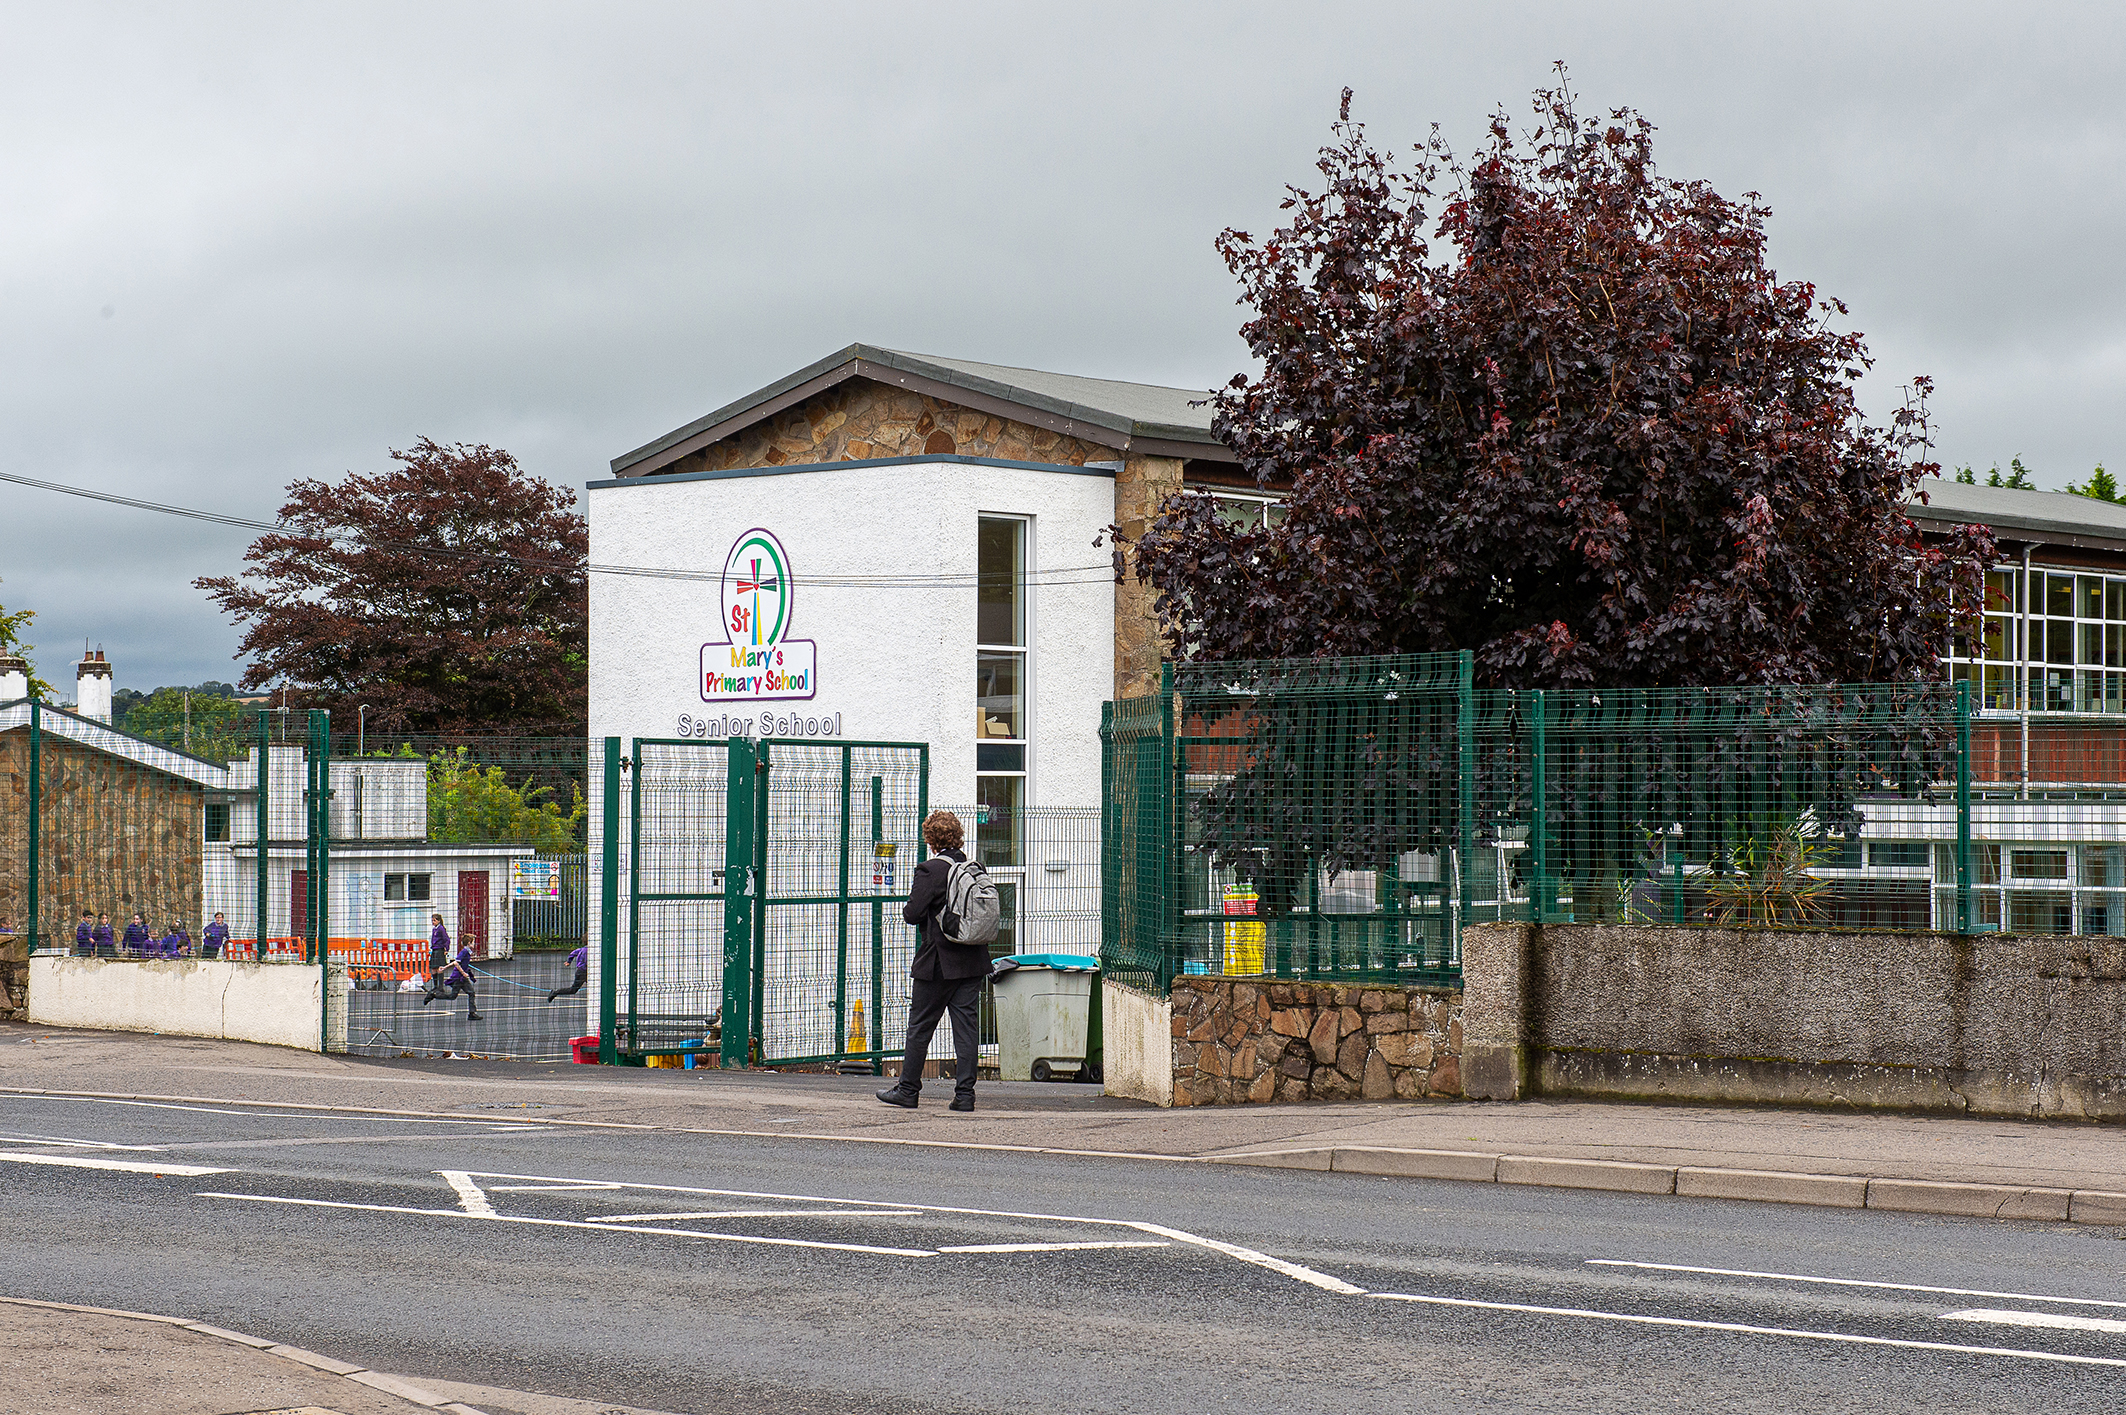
[{"x": 757, "y": 662}]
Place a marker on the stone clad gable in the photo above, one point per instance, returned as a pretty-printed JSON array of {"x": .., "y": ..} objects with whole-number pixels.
[{"x": 861, "y": 419}]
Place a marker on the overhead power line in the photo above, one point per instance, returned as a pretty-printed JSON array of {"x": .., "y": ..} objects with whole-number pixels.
[{"x": 1059, "y": 575}]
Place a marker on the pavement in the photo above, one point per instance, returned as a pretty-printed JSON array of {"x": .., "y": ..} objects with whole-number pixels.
[{"x": 2060, "y": 1170}]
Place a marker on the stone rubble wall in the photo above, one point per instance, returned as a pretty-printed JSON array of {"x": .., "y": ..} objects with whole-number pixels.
[
  {"x": 1261, "y": 1040},
  {"x": 860, "y": 419}
]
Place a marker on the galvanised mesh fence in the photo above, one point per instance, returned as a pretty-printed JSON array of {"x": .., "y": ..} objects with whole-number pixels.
[
  {"x": 1344, "y": 819},
  {"x": 484, "y": 838}
]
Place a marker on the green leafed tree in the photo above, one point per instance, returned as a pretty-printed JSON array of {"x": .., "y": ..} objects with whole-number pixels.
[
  {"x": 471, "y": 803},
  {"x": 12, "y": 625},
  {"x": 204, "y": 724},
  {"x": 2018, "y": 478},
  {"x": 2101, "y": 486}
]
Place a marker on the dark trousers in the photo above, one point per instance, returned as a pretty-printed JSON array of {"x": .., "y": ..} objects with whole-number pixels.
[
  {"x": 582, "y": 976},
  {"x": 930, "y": 1001},
  {"x": 457, "y": 989}
]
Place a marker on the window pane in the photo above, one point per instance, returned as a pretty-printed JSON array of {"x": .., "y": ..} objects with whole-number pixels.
[
  {"x": 1997, "y": 640},
  {"x": 394, "y": 886},
  {"x": 1000, "y": 756},
  {"x": 1898, "y": 854},
  {"x": 2101, "y": 914},
  {"x": 996, "y": 816},
  {"x": 2115, "y": 599},
  {"x": 2000, "y": 592},
  {"x": 2040, "y": 913},
  {"x": 998, "y": 699},
  {"x": 1239, "y": 513},
  {"x": 417, "y": 886},
  {"x": 2059, "y": 642},
  {"x": 1998, "y": 690},
  {"x": 217, "y": 820},
  {"x": 2038, "y": 864},
  {"x": 2103, "y": 866},
  {"x": 2059, "y": 596},
  {"x": 2089, "y": 691},
  {"x": 2089, "y": 596},
  {"x": 1000, "y": 616},
  {"x": 2092, "y": 636}
]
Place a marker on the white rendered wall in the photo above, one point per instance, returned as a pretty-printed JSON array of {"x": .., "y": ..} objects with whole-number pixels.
[
  {"x": 275, "y": 1003},
  {"x": 895, "y": 664}
]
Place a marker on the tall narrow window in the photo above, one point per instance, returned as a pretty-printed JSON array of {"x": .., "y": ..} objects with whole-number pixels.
[{"x": 999, "y": 688}]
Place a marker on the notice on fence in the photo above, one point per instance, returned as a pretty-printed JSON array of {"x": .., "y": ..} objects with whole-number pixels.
[
  {"x": 534, "y": 879},
  {"x": 1243, "y": 940},
  {"x": 882, "y": 862}
]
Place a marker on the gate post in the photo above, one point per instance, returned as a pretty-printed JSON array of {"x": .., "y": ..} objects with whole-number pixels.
[
  {"x": 609, "y": 909},
  {"x": 737, "y": 905},
  {"x": 261, "y": 865},
  {"x": 36, "y": 822}
]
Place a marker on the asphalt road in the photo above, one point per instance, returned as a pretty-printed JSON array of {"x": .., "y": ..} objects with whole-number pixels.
[{"x": 710, "y": 1274}]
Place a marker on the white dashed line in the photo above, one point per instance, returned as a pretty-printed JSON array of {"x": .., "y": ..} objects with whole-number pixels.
[
  {"x": 1851, "y": 1282},
  {"x": 1047, "y": 1247},
  {"x": 1848, "y": 1338},
  {"x": 182, "y": 1171},
  {"x": 2057, "y": 1321}
]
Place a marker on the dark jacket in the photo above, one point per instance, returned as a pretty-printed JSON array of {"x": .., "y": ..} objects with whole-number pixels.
[
  {"x": 937, "y": 959},
  {"x": 136, "y": 937}
]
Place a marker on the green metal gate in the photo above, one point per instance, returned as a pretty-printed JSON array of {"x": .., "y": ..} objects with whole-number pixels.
[{"x": 764, "y": 883}]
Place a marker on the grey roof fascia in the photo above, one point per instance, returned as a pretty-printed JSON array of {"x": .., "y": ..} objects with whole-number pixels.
[
  {"x": 1090, "y": 469},
  {"x": 1072, "y": 418},
  {"x": 2035, "y": 517}
]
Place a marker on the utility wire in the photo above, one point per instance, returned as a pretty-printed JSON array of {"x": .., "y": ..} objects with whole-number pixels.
[{"x": 1058, "y": 575}]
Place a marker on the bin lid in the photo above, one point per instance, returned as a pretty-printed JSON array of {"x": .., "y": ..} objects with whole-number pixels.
[{"x": 1061, "y": 962}]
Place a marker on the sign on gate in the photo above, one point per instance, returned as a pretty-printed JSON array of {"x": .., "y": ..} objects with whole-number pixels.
[{"x": 535, "y": 879}]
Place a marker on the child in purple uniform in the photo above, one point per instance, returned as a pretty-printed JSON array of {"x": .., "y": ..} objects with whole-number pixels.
[
  {"x": 580, "y": 960},
  {"x": 213, "y": 939},
  {"x": 137, "y": 937}
]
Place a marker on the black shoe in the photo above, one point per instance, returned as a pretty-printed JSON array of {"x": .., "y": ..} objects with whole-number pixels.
[
  {"x": 963, "y": 1101},
  {"x": 551, "y": 996},
  {"x": 472, "y": 1016},
  {"x": 894, "y": 1095}
]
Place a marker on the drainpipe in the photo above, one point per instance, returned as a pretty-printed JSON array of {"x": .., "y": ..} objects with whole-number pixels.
[{"x": 2022, "y": 694}]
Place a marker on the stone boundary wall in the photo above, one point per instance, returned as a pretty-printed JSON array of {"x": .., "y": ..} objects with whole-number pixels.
[
  {"x": 275, "y": 1003},
  {"x": 1263, "y": 1040},
  {"x": 1983, "y": 1024}
]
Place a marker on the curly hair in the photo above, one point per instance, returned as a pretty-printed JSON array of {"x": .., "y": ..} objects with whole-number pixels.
[{"x": 942, "y": 831}]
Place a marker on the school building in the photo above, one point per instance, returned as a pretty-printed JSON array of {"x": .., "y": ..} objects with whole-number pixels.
[{"x": 893, "y": 546}]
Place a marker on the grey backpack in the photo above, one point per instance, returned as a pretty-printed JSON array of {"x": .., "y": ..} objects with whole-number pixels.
[{"x": 972, "y": 912}]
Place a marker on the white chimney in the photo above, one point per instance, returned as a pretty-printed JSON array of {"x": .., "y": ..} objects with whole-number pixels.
[
  {"x": 14, "y": 677},
  {"x": 92, "y": 687}
]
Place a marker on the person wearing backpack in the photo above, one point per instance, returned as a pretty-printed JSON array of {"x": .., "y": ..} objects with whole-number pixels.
[{"x": 954, "y": 904}]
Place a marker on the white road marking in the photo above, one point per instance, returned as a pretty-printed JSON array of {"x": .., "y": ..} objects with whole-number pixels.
[
  {"x": 547, "y": 1188},
  {"x": 1261, "y": 1260},
  {"x": 469, "y": 1193},
  {"x": 1294, "y": 1271},
  {"x": 182, "y": 1171},
  {"x": 574, "y": 1223},
  {"x": 1849, "y": 1338},
  {"x": 1852, "y": 1282},
  {"x": 310, "y": 1113},
  {"x": 1047, "y": 1247},
  {"x": 761, "y": 1213},
  {"x": 24, "y": 1138},
  {"x": 2035, "y": 1319}
]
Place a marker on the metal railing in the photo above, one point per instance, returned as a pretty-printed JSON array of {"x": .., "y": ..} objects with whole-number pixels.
[{"x": 1345, "y": 819}]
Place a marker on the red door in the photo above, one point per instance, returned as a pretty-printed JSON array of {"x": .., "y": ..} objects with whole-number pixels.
[
  {"x": 472, "y": 911},
  {"x": 298, "y": 905}
]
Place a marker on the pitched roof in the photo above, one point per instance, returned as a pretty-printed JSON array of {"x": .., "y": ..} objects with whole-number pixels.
[
  {"x": 2044, "y": 517},
  {"x": 87, "y": 732},
  {"x": 1129, "y": 417}
]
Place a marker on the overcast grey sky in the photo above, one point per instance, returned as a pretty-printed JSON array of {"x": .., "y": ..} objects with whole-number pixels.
[{"x": 247, "y": 243}]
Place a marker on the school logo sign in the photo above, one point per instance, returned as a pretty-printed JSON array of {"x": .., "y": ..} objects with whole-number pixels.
[{"x": 758, "y": 661}]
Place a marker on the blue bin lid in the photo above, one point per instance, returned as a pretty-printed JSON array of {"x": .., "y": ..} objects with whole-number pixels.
[{"x": 1061, "y": 962}]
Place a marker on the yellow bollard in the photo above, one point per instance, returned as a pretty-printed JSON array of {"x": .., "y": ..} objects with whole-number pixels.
[{"x": 857, "y": 1039}]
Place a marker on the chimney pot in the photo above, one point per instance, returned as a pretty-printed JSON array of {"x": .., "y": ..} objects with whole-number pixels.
[{"x": 92, "y": 687}]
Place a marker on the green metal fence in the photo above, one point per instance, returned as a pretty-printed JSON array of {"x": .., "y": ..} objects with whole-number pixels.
[{"x": 1346, "y": 818}]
